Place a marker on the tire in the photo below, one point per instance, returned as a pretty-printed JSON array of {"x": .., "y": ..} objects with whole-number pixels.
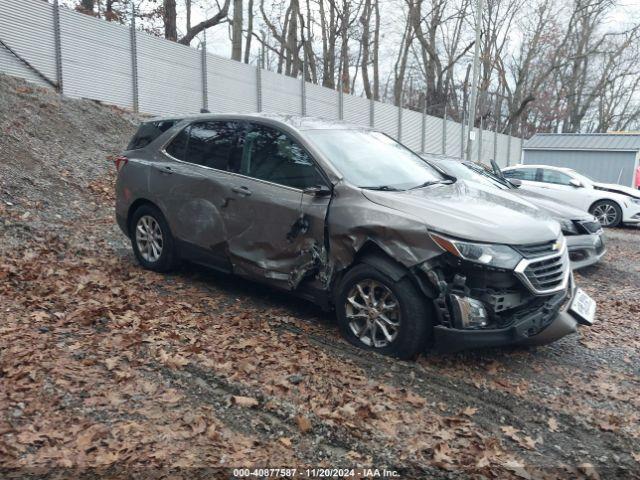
[
  {"x": 607, "y": 212},
  {"x": 150, "y": 218},
  {"x": 412, "y": 315}
]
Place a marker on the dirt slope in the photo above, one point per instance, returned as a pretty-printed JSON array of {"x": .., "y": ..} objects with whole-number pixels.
[{"x": 105, "y": 365}]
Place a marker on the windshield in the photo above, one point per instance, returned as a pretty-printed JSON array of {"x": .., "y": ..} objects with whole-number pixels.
[
  {"x": 472, "y": 173},
  {"x": 371, "y": 159}
]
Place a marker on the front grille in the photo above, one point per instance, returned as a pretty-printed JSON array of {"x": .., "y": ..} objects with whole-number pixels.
[
  {"x": 590, "y": 226},
  {"x": 546, "y": 274},
  {"x": 536, "y": 250},
  {"x": 545, "y": 268}
]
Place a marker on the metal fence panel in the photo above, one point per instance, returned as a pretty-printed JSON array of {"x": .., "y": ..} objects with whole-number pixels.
[
  {"x": 280, "y": 94},
  {"x": 169, "y": 77},
  {"x": 386, "y": 118},
  {"x": 433, "y": 135},
  {"x": 231, "y": 86},
  {"x": 97, "y": 63},
  {"x": 26, "y": 26},
  {"x": 453, "y": 139},
  {"x": 96, "y": 59},
  {"x": 356, "y": 109},
  {"x": 322, "y": 102},
  {"x": 412, "y": 129}
]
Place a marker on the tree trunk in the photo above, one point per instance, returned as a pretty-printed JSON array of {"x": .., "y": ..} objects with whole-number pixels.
[
  {"x": 247, "y": 45},
  {"x": 169, "y": 18},
  {"x": 236, "y": 32}
]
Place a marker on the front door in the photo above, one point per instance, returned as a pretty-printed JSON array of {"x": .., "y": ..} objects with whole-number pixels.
[{"x": 274, "y": 230}]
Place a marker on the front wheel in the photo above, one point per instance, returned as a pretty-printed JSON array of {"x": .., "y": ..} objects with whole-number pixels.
[
  {"x": 380, "y": 314},
  {"x": 607, "y": 212}
]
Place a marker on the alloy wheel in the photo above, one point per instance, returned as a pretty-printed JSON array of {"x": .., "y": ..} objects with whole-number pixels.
[
  {"x": 149, "y": 238},
  {"x": 373, "y": 313},
  {"x": 605, "y": 213}
]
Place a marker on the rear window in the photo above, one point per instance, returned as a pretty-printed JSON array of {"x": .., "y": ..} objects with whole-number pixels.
[{"x": 148, "y": 132}]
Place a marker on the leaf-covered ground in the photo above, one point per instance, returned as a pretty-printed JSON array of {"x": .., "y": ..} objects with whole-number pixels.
[{"x": 105, "y": 365}]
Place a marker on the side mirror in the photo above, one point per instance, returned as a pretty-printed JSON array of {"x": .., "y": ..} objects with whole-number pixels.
[
  {"x": 575, "y": 183},
  {"x": 317, "y": 191},
  {"x": 516, "y": 182}
]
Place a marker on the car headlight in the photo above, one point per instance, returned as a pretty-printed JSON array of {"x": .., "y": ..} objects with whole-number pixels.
[
  {"x": 500, "y": 256},
  {"x": 568, "y": 227},
  {"x": 636, "y": 201}
]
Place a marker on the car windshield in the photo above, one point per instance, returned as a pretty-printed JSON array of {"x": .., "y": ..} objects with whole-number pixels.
[
  {"x": 586, "y": 181},
  {"x": 472, "y": 173},
  {"x": 370, "y": 159}
]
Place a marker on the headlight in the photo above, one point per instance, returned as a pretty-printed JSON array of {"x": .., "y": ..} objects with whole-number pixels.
[
  {"x": 636, "y": 201},
  {"x": 568, "y": 227},
  {"x": 500, "y": 256}
]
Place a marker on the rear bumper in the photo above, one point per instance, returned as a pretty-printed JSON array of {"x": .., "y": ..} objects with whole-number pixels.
[
  {"x": 585, "y": 250},
  {"x": 547, "y": 324}
]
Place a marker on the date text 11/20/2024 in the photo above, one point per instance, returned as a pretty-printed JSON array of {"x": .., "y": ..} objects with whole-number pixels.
[{"x": 314, "y": 473}]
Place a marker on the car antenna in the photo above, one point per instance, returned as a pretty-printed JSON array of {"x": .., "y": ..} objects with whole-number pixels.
[{"x": 204, "y": 110}]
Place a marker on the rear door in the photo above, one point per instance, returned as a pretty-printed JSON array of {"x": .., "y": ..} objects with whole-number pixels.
[
  {"x": 193, "y": 185},
  {"x": 275, "y": 231}
]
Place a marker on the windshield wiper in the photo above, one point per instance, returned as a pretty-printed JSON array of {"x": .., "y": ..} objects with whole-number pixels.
[
  {"x": 447, "y": 181},
  {"x": 384, "y": 188}
]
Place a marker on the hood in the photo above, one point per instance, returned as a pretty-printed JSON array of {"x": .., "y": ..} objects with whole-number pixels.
[
  {"x": 470, "y": 211},
  {"x": 615, "y": 188},
  {"x": 552, "y": 207}
]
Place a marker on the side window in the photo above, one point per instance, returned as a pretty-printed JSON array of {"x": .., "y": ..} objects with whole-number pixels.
[
  {"x": 273, "y": 156},
  {"x": 214, "y": 145},
  {"x": 148, "y": 132},
  {"x": 553, "y": 176},
  {"x": 178, "y": 146},
  {"x": 522, "y": 174},
  {"x": 210, "y": 144}
]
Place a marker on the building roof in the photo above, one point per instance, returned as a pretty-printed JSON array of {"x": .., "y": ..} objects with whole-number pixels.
[{"x": 584, "y": 141}]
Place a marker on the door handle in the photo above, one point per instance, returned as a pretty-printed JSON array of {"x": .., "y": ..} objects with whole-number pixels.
[
  {"x": 165, "y": 170},
  {"x": 241, "y": 191}
]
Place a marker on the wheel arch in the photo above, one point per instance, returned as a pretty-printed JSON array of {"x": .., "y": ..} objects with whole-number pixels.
[
  {"x": 134, "y": 206},
  {"x": 605, "y": 199}
]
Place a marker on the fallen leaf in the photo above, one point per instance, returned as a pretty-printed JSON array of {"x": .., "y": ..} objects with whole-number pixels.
[
  {"x": 517, "y": 468},
  {"x": 304, "y": 424},
  {"x": 469, "y": 411},
  {"x": 285, "y": 441},
  {"x": 589, "y": 471},
  {"x": 552, "y": 424},
  {"x": 248, "y": 402},
  {"x": 111, "y": 363}
]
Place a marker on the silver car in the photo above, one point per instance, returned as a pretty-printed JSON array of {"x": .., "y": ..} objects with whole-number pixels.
[
  {"x": 584, "y": 234},
  {"x": 347, "y": 217}
]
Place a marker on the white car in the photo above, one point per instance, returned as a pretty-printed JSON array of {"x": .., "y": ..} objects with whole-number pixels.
[{"x": 611, "y": 204}]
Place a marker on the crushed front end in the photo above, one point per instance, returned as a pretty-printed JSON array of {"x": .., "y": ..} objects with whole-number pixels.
[{"x": 491, "y": 295}]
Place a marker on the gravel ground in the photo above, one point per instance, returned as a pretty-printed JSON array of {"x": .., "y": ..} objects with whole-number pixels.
[{"x": 104, "y": 365}]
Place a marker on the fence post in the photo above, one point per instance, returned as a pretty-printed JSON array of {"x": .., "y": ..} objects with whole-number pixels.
[
  {"x": 462, "y": 137},
  {"x": 372, "y": 111},
  {"x": 423, "y": 131},
  {"x": 444, "y": 129},
  {"x": 480, "y": 140},
  {"x": 205, "y": 81},
  {"x": 259, "y": 83},
  {"x": 400, "y": 121},
  {"x": 58, "y": 44},
  {"x": 340, "y": 100},
  {"x": 303, "y": 90},
  {"x": 134, "y": 60},
  {"x": 495, "y": 143},
  {"x": 509, "y": 146}
]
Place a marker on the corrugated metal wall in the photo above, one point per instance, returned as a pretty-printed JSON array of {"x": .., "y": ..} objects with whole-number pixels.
[
  {"x": 97, "y": 61},
  {"x": 607, "y": 167}
]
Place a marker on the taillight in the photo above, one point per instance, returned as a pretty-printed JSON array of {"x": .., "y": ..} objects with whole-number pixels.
[{"x": 120, "y": 162}]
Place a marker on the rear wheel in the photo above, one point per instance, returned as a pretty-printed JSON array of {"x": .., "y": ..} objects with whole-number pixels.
[
  {"x": 607, "y": 212},
  {"x": 151, "y": 239},
  {"x": 377, "y": 313}
]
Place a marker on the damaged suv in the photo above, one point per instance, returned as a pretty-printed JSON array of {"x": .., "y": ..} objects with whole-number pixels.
[{"x": 349, "y": 218}]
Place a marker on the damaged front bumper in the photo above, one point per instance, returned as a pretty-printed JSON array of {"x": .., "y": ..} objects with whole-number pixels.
[
  {"x": 542, "y": 325},
  {"x": 585, "y": 250}
]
